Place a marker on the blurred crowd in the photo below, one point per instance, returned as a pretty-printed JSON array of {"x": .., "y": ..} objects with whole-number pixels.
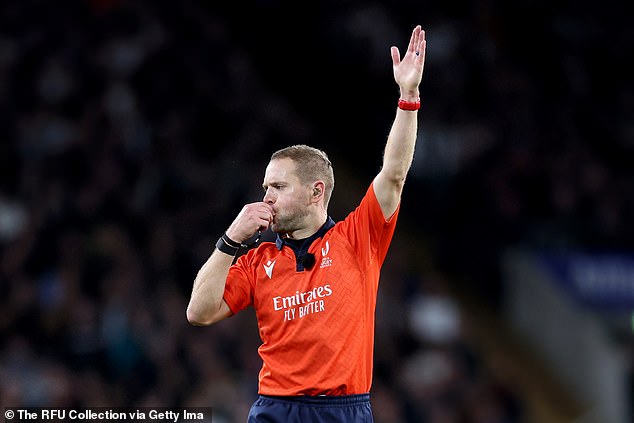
[{"x": 132, "y": 132}]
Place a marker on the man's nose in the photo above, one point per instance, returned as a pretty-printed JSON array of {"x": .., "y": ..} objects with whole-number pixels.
[{"x": 268, "y": 197}]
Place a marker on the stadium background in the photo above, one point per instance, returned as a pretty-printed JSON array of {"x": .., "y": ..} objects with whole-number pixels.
[{"x": 133, "y": 131}]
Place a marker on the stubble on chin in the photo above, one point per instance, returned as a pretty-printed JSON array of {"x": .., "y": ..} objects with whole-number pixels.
[{"x": 288, "y": 224}]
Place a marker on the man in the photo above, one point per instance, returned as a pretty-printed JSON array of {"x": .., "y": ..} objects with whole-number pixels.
[{"x": 314, "y": 290}]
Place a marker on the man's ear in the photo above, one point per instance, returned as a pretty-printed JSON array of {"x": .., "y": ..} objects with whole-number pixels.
[{"x": 318, "y": 189}]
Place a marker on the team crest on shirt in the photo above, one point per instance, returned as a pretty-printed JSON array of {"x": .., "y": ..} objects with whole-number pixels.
[{"x": 325, "y": 260}]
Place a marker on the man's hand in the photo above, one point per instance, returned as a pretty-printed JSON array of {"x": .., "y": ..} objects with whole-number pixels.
[
  {"x": 408, "y": 71},
  {"x": 252, "y": 217}
]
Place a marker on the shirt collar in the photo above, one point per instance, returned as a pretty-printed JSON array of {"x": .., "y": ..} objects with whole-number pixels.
[{"x": 279, "y": 242}]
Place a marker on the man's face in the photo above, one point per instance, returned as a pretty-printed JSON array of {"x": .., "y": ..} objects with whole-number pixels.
[{"x": 287, "y": 196}]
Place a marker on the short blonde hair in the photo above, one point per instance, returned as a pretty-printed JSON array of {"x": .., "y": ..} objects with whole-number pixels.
[{"x": 311, "y": 165}]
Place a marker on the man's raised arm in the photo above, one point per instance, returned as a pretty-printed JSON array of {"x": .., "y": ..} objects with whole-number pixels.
[{"x": 399, "y": 149}]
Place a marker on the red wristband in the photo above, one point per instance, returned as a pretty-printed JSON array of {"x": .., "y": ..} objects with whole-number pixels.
[{"x": 409, "y": 105}]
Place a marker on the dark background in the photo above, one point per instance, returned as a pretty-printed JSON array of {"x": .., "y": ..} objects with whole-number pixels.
[{"x": 131, "y": 133}]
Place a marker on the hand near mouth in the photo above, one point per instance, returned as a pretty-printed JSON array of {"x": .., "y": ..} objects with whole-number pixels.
[{"x": 252, "y": 218}]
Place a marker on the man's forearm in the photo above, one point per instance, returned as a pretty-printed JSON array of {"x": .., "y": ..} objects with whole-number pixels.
[
  {"x": 205, "y": 304},
  {"x": 399, "y": 149},
  {"x": 397, "y": 159}
]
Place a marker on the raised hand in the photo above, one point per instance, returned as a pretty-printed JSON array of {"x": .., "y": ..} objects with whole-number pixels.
[{"x": 408, "y": 70}]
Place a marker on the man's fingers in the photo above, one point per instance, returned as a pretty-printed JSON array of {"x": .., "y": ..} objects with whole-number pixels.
[
  {"x": 412, "y": 40},
  {"x": 422, "y": 43},
  {"x": 396, "y": 56},
  {"x": 252, "y": 217},
  {"x": 416, "y": 45},
  {"x": 264, "y": 221},
  {"x": 263, "y": 213}
]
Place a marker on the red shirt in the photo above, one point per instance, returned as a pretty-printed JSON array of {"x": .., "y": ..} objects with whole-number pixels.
[{"x": 317, "y": 325}]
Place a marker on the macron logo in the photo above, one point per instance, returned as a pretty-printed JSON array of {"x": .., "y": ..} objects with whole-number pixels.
[{"x": 268, "y": 268}]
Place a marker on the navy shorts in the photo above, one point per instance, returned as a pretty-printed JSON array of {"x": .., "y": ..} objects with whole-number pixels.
[{"x": 320, "y": 409}]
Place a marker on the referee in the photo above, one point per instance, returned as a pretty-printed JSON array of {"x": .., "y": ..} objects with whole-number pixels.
[{"x": 314, "y": 289}]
